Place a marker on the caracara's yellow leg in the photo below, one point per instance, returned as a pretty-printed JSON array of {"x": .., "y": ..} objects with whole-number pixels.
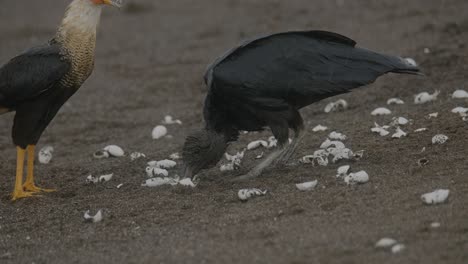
[
  {"x": 29, "y": 184},
  {"x": 19, "y": 192}
]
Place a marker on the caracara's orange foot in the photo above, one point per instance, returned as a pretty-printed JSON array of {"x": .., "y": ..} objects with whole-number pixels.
[
  {"x": 21, "y": 194},
  {"x": 31, "y": 187}
]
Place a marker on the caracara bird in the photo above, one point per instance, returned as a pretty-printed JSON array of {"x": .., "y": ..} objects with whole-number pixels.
[
  {"x": 265, "y": 81},
  {"x": 38, "y": 82}
]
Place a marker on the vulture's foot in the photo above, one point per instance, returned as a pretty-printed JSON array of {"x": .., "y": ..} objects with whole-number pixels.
[{"x": 31, "y": 187}]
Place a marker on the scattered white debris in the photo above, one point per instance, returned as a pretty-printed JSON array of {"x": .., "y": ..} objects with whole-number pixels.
[
  {"x": 425, "y": 97},
  {"x": 328, "y": 143},
  {"x": 319, "y": 128},
  {"x": 306, "y": 186},
  {"x": 106, "y": 178},
  {"x": 235, "y": 161},
  {"x": 343, "y": 171},
  {"x": 432, "y": 115},
  {"x": 187, "y": 182},
  {"x": 381, "y": 111},
  {"x": 154, "y": 171},
  {"x": 411, "y": 61},
  {"x": 336, "y": 136},
  {"x": 256, "y": 144},
  {"x": 272, "y": 142},
  {"x": 315, "y": 160},
  {"x": 227, "y": 167},
  {"x": 114, "y": 151},
  {"x": 91, "y": 179},
  {"x": 340, "y": 153},
  {"x": 435, "y": 197},
  {"x": 398, "y": 248},
  {"x": 175, "y": 156},
  {"x": 358, "y": 177},
  {"x": 420, "y": 130},
  {"x": 163, "y": 164},
  {"x": 399, "y": 133},
  {"x": 460, "y": 94},
  {"x": 119, "y": 186},
  {"x": 101, "y": 154},
  {"x": 358, "y": 154},
  {"x": 439, "y": 139},
  {"x": 399, "y": 121},
  {"x": 95, "y": 219},
  {"x": 159, "y": 132},
  {"x": 460, "y": 110},
  {"x": 435, "y": 225},
  {"x": 336, "y": 106},
  {"x": 168, "y": 120},
  {"x": 45, "y": 154},
  {"x": 159, "y": 181},
  {"x": 397, "y": 101},
  {"x": 259, "y": 156},
  {"x": 245, "y": 194},
  {"x": 381, "y": 130},
  {"x": 385, "y": 242},
  {"x": 136, "y": 155}
]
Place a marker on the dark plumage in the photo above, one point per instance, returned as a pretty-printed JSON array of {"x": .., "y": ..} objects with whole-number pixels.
[{"x": 265, "y": 81}]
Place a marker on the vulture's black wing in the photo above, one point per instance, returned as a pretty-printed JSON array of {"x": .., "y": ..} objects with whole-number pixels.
[
  {"x": 30, "y": 74},
  {"x": 297, "y": 68}
]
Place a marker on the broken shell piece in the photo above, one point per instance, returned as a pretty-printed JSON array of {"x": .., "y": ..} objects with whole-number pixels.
[
  {"x": 439, "y": 139},
  {"x": 119, "y": 186},
  {"x": 114, "y": 151},
  {"x": 432, "y": 115},
  {"x": 91, "y": 179},
  {"x": 158, "y": 181},
  {"x": 101, "y": 154},
  {"x": 460, "y": 94},
  {"x": 399, "y": 133},
  {"x": 423, "y": 162},
  {"x": 336, "y": 106},
  {"x": 381, "y": 130},
  {"x": 245, "y": 194},
  {"x": 159, "y": 132},
  {"x": 381, "y": 111},
  {"x": 235, "y": 160},
  {"x": 385, "y": 242},
  {"x": 260, "y": 155},
  {"x": 343, "y": 171},
  {"x": 106, "y": 178},
  {"x": 319, "y": 128},
  {"x": 272, "y": 142},
  {"x": 168, "y": 120},
  {"x": 460, "y": 110},
  {"x": 306, "y": 186},
  {"x": 399, "y": 121},
  {"x": 397, "y": 101},
  {"x": 166, "y": 164},
  {"x": 95, "y": 219},
  {"x": 398, "y": 248},
  {"x": 328, "y": 143},
  {"x": 339, "y": 154},
  {"x": 337, "y": 136},
  {"x": 153, "y": 171},
  {"x": 256, "y": 144},
  {"x": 435, "y": 197},
  {"x": 411, "y": 62},
  {"x": 435, "y": 225},
  {"x": 420, "y": 130},
  {"x": 425, "y": 97},
  {"x": 45, "y": 154},
  {"x": 358, "y": 154},
  {"x": 358, "y": 177},
  {"x": 136, "y": 155},
  {"x": 175, "y": 156},
  {"x": 187, "y": 182},
  {"x": 227, "y": 167}
]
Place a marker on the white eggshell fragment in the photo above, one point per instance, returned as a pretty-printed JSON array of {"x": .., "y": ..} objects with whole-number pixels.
[
  {"x": 435, "y": 197},
  {"x": 45, "y": 154},
  {"x": 399, "y": 121},
  {"x": 245, "y": 194},
  {"x": 101, "y": 154},
  {"x": 168, "y": 120},
  {"x": 153, "y": 171},
  {"x": 399, "y": 133},
  {"x": 136, "y": 155},
  {"x": 227, "y": 167},
  {"x": 175, "y": 156},
  {"x": 398, "y": 248},
  {"x": 92, "y": 179},
  {"x": 435, "y": 225},
  {"x": 306, "y": 186},
  {"x": 158, "y": 181},
  {"x": 319, "y": 128},
  {"x": 336, "y": 106},
  {"x": 340, "y": 153},
  {"x": 235, "y": 161},
  {"x": 460, "y": 110},
  {"x": 159, "y": 132},
  {"x": 343, "y": 171},
  {"x": 187, "y": 182},
  {"x": 381, "y": 130},
  {"x": 119, "y": 186},
  {"x": 114, "y": 151},
  {"x": 396, "y": 101},
  {"x": 166, "y": 164},
  {"x": 385, "y": 242},
  {"x": 460, "y": 94},
  {"x": 381, "y": 111},
  {"x": 337, "y": 136},
  {"x": 432, "y": 115},
  {"x": 256, "y": 144},
  {"x": 420, "y": 130},
  {"x": 106, "y": 178},
  {"x": 328, "y": 143},
  {"x": 439, "y": 139},
  {"x": 358, "y": 177},
  {"x": 425, "y": 97},
  {"x": 272, "y": 142},
  {"x": 95, "y": 219}
]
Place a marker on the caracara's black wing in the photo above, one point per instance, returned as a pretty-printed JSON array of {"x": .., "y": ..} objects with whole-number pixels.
[
  {"x": 297, "y": 68},
  {"x": 30, "y": 74}
]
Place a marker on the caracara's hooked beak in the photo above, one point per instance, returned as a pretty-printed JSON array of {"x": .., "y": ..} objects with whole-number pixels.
[{"x": 116, "y": 3}]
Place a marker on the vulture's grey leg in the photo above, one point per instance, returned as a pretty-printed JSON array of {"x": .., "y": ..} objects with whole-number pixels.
[
  {"x": 257, "y": 170},
  {"x": 291, "y": 148}
]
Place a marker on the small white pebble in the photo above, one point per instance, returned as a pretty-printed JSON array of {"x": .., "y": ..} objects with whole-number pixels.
[
  {"x": 398, "y": 248},
  {"x": 159, "y": 132},
  {"x": 358, "y": 177},
  {"x": 306, "y": 186},
  {"x": 45, "y": 154},
  {"x": 439, "y": 139},
  {"x": 435, "y": 197},
  {"x": 245, "y": 194},
  {"x": 95, "y": 219},
  {"x": 337, "y": 136},
  {"x": 256, "y": 144},
  {"x": 319, "y": 128},
  {"x": 425, "y": 97},
  {"x": 460, "y": 94},
  {"x": 396, "y": 101},
  {"x": 385, "y": 242},
  {"x": 114, "y": 151},
  {"x": 381, "y": 111}
]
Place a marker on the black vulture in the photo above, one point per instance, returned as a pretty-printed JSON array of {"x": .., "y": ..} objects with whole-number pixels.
[
  {"x": 265, "y": 81},
  {"x": 38, "y": 82}
]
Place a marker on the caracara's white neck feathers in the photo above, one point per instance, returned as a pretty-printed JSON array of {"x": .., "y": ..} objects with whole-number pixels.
[{"x": 82, "y": 16}]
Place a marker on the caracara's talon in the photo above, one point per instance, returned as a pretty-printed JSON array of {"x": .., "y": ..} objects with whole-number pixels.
[
  {"x": 21, "y": 194},
  {"x": 34, "y": 189}
]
